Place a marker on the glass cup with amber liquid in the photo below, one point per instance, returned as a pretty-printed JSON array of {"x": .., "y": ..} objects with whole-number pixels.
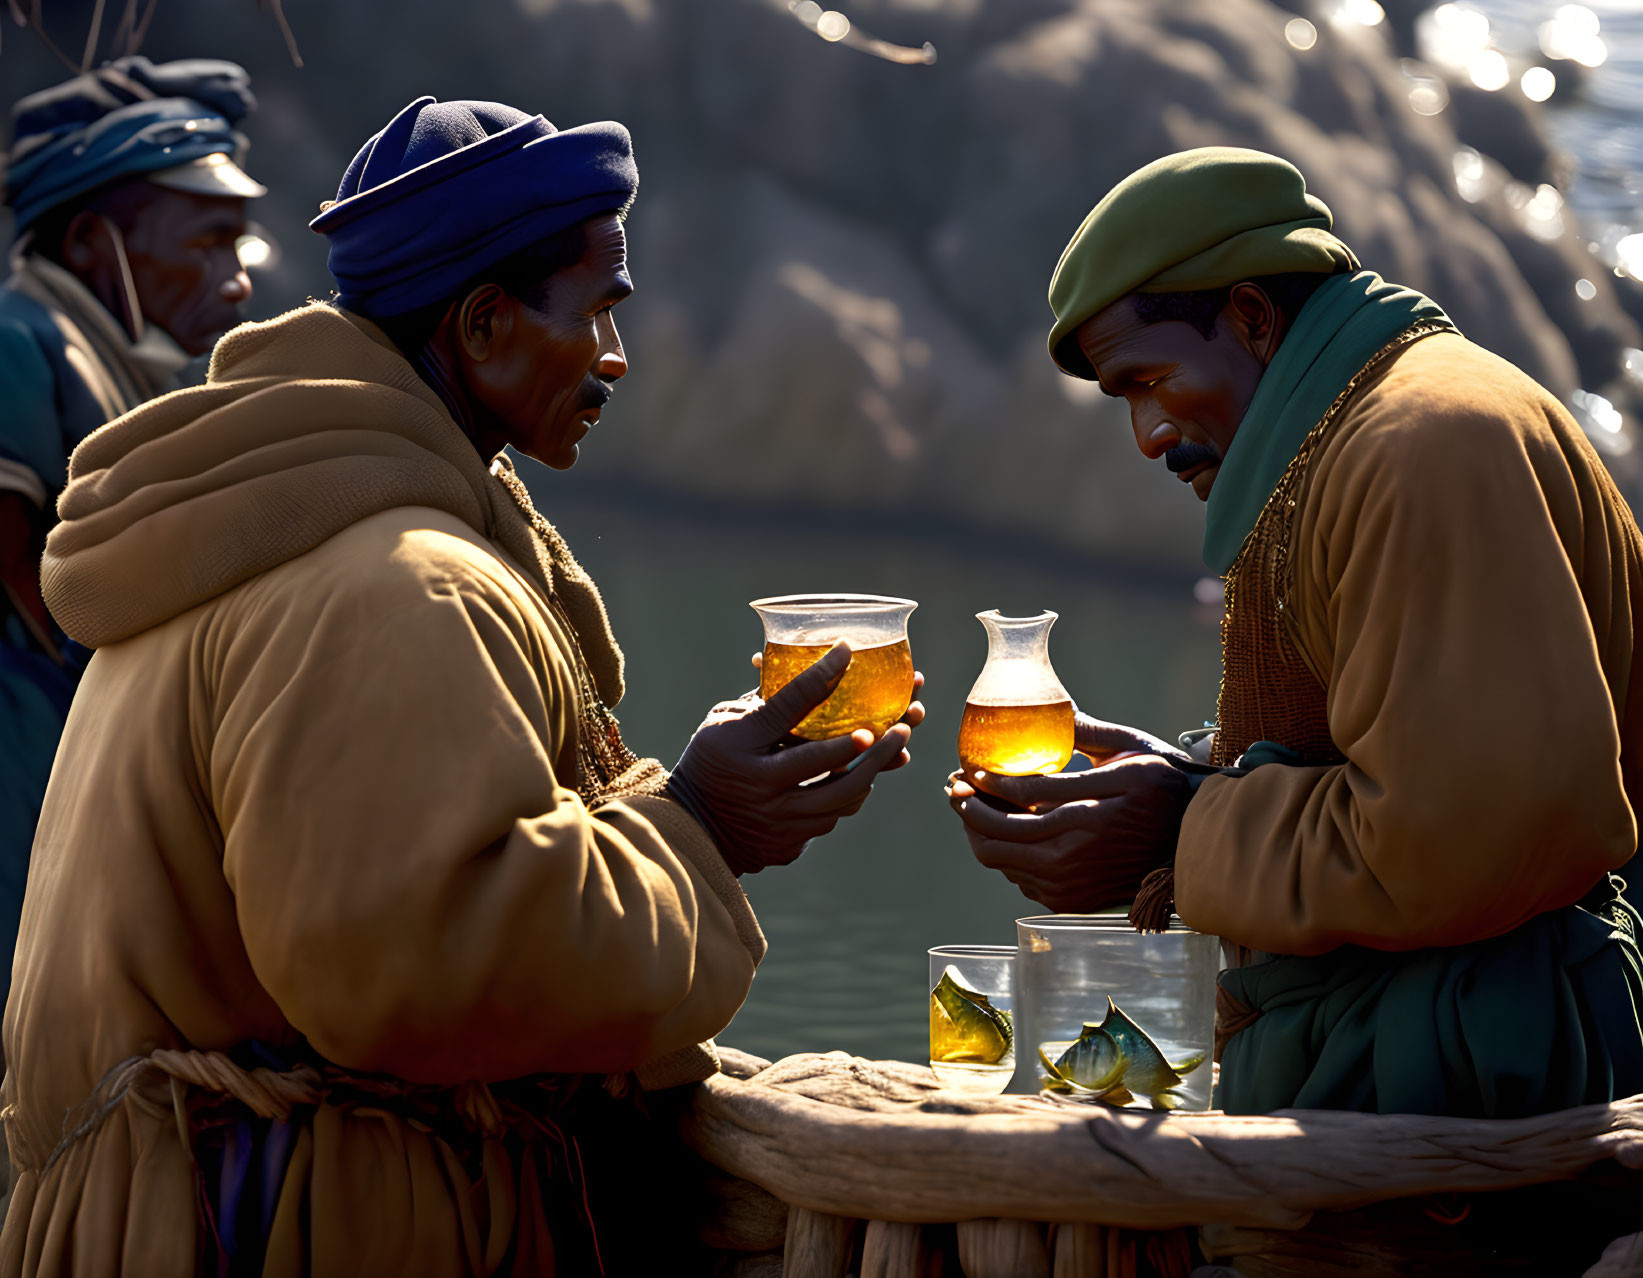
[
  {"x": 877, "y": 686},
  {"x": 1018, "y": 719},
  {"x": 972, "y": 1031}
]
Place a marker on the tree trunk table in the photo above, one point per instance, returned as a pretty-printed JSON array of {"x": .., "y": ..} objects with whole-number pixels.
[{"x": 830, "y": 1165}]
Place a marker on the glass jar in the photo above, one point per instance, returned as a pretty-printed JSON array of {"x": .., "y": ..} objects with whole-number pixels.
[{"x": 1068, "y": 967}]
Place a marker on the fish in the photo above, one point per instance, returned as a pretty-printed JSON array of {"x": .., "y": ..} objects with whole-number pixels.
[
  {"x": 1116, "y": 1060},
  {"x": 1091, "y": 1063},
  {"x": 964, "y": 1025},
  {"x": 1148, "y": 1073}
]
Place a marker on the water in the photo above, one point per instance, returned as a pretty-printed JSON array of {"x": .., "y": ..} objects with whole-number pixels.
[
  {"x": 850, "y": 923},
  {"x": 1601, "y": 127}
]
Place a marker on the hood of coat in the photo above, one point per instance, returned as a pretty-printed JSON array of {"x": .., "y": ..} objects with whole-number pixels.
[{"x": 305, "y": 425}]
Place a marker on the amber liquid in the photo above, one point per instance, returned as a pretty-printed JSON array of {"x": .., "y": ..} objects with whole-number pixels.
[
  {"x": 876, "y": 689},
  {"x": 1016, "y": 741}
]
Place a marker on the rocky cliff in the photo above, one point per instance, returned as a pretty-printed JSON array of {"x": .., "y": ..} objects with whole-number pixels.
[{"x": 842, "y": 260}]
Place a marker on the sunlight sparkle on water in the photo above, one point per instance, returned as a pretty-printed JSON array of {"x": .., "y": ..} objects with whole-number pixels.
[
  {"x": 1358, "y": 13},
  {"x": 1489, "y": 70},
  {"x": 832, "y": 25},
  {"x": 1574, "y": 34},
  {"x": 1428, "y": 99},
  {"x": 1300, "y": 33},
  {"x": 1428, "y": 95},
  {"x": 1629, "y": 255},
  {"x": 1471, "y": 175},
  {"x": 1601, "y": 421},
  {"x": 1538, "y": 84},
  {"x": 1540, "y": 212},
  {"x": 1458, "y": 38},
  {"x": 1452, "y": 36}
]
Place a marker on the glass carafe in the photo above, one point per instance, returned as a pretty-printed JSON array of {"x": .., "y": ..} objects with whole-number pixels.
[
  {"x": 877, "y": 686},
  {"x": 1018, "y": 720}
]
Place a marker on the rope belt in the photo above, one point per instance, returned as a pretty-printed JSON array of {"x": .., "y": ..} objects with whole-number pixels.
[
  {"x": 207, "y": 1092},
  {"x": 1232, "y": 1016},
  {"x": 277, "y": 1094}
]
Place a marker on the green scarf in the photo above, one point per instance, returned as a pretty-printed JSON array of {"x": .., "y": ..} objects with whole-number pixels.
[{"x": 1340, "y": 329}]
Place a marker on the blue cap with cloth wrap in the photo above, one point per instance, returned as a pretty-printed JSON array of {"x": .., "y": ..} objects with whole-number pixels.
[
  {"x": 450, "y": 188},
  {"x": 171, "y": 123}
]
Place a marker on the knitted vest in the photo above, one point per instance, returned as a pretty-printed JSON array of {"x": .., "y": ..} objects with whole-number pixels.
[{"x": 1268, "y": 690}]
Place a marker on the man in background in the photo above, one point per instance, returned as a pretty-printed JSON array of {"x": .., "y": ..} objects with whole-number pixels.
[{"x": 127, "y": 204}]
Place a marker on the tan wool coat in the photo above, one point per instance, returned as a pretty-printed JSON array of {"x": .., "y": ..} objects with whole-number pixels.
[
  {"x": 1464, "y": 577},
  {"x": 320, "y": 784}
]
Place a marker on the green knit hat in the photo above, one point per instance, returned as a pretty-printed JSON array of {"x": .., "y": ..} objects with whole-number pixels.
[{"x": 1194, "y": 220}]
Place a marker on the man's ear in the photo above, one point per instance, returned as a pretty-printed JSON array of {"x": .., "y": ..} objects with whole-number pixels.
[
  {"x": 83, "y": 242},
  {"x": 1258, "y": 320},
  {"x": 484, "y": 318}
]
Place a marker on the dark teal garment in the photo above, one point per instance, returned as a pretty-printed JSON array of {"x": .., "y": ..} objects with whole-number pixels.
[
  {"x": 47, "y": 406},
  {"x": 1339, "y": 330},
  {"x": 35, "y": 691},
  {"x": 1543, "y": 1018},
  {"x": 1546, "y": 1017},
  {"x": 45, "y": 410}
]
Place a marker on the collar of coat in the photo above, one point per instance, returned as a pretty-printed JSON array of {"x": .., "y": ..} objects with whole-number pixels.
[
  {"x": 121, "y": 373},
  {"x": 305, "y": 425}
]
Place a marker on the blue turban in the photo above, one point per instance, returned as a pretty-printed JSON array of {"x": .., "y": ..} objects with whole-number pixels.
[
  {"x": 450, "y": 188},
  {"x": 128, "y": 118}
]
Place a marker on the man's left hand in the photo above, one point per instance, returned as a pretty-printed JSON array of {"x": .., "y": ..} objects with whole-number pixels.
[{"x": 1079, "y": 841}]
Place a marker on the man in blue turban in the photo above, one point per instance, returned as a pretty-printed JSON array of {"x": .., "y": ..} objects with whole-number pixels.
[
  {"x": 344, "y": 854},
  {"x": 127, "y": 205}
]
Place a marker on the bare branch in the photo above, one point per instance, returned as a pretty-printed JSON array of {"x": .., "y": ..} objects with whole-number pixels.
[
  {"x": 126, "y": 29},
  {"x": 37, "y": 20},
  {"x": 141, "y": 33},
  {"x": 285, "y": 29},
  {"x": 129, "y": 33},
  {"x": 96, "y": 30}
]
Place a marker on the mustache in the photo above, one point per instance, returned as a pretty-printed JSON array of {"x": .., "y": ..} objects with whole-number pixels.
[
  {"x": 595, "y": 394},
  {"x": 1186, "y": 456}
]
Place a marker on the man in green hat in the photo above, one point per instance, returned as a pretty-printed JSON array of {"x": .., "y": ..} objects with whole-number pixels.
[{"x": 1429, "y": 744}]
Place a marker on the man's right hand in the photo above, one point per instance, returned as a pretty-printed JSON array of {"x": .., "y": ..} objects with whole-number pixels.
[
  {"x": 761, "y": 800},
  {"x": 1075, "y": 841}
]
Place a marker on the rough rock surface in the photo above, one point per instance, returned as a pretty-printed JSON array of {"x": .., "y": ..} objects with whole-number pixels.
[{"x": 842, "y": 261}]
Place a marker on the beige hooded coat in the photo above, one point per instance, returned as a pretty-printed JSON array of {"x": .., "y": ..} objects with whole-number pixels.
[{"x": 320, "y": 783}]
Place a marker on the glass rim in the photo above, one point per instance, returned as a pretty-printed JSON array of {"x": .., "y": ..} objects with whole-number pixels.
[
  {"x": 993, "y": 614},
  {"x": 1101, "y": 923},
  {"x": 841, "y": 602},
  {"x": 973, "y": 951}
]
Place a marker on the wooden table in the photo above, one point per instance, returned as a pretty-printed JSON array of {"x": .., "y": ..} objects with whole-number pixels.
[{"x": 834, "y": 1165}]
